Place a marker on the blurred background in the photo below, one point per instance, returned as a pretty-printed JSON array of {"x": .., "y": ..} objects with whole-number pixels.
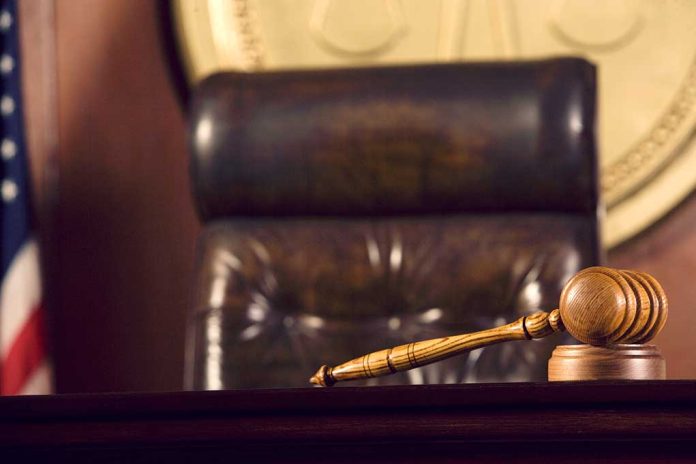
[{"x": 105, "y": 87}]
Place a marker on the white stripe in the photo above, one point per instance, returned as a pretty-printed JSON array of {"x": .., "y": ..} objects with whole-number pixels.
[
  {"x": 40, "y": 382},
  {"x": 20, "y": 293}
]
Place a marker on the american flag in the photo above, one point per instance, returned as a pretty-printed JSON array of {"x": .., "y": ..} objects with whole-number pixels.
[{"x": 24, "y": 367}]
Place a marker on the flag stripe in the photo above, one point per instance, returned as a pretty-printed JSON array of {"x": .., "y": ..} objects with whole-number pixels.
[
  {"x": 25, "y": 356},
  {"x": 19, "y": 294},
  {"x": 40, "y": 382}
]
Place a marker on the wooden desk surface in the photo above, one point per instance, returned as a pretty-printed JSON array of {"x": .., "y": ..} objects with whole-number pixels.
[{"x": 572, "y": 422}]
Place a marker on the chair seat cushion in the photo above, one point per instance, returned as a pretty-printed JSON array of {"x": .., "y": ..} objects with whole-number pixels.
[{"x": 283, "y": 297}]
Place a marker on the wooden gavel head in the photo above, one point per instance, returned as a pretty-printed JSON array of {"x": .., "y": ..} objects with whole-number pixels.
[{"x": 603, "y": 306}]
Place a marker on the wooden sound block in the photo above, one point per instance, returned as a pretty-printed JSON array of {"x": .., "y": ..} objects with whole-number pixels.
[{"x": 619, "y": 362}]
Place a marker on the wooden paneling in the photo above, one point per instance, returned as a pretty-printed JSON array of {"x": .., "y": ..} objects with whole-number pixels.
[
  {"x": 124, "y": 227},
  {"x": 668, "y": 251}
]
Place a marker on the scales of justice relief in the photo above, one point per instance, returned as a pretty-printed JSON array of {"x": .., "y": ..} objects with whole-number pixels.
[
  {"x": 613, "y": 312},
  {"x": 647, "y": 104}
]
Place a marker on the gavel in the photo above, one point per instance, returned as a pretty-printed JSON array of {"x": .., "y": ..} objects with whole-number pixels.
[{"x": 599, "y": 306}]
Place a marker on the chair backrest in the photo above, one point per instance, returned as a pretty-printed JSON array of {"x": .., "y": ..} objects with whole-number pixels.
[
  {"x": 350, "y": 209},
  {"x": 405, "y": 140}
]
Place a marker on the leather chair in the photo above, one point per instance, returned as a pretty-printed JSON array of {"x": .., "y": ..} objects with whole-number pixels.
[{"x": 350, "y": 210}]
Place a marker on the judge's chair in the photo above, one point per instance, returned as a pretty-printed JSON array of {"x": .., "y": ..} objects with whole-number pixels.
[{"x": 356, "y": 209}]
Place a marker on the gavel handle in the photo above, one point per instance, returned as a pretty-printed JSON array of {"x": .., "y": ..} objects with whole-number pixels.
[{"x": 412, "y": 355}]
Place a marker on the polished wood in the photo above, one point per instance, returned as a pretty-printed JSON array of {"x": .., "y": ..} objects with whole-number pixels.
[
  {"x": 412, "y": 355},
  {"x": 598, "y": 305},
  {"x": 107, "y": 151},
  {"x": 602, "y": 306},
  {"x": 545, "y": 422},
  {"x": 587, "y": 362},
  {"x": 124, "y": 227}
]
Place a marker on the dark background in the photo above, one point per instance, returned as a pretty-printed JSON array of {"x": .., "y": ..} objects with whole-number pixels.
[{"x": 108, "y": 146}]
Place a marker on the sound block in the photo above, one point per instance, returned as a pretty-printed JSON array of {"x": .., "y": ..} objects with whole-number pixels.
[{"x": 618, "y": 362}]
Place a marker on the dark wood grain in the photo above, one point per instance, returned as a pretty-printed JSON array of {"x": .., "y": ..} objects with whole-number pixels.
[{"x": 635, "y": 420}]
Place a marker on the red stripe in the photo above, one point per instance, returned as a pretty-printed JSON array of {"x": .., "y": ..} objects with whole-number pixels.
[{"x": 25, "y": 356}]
